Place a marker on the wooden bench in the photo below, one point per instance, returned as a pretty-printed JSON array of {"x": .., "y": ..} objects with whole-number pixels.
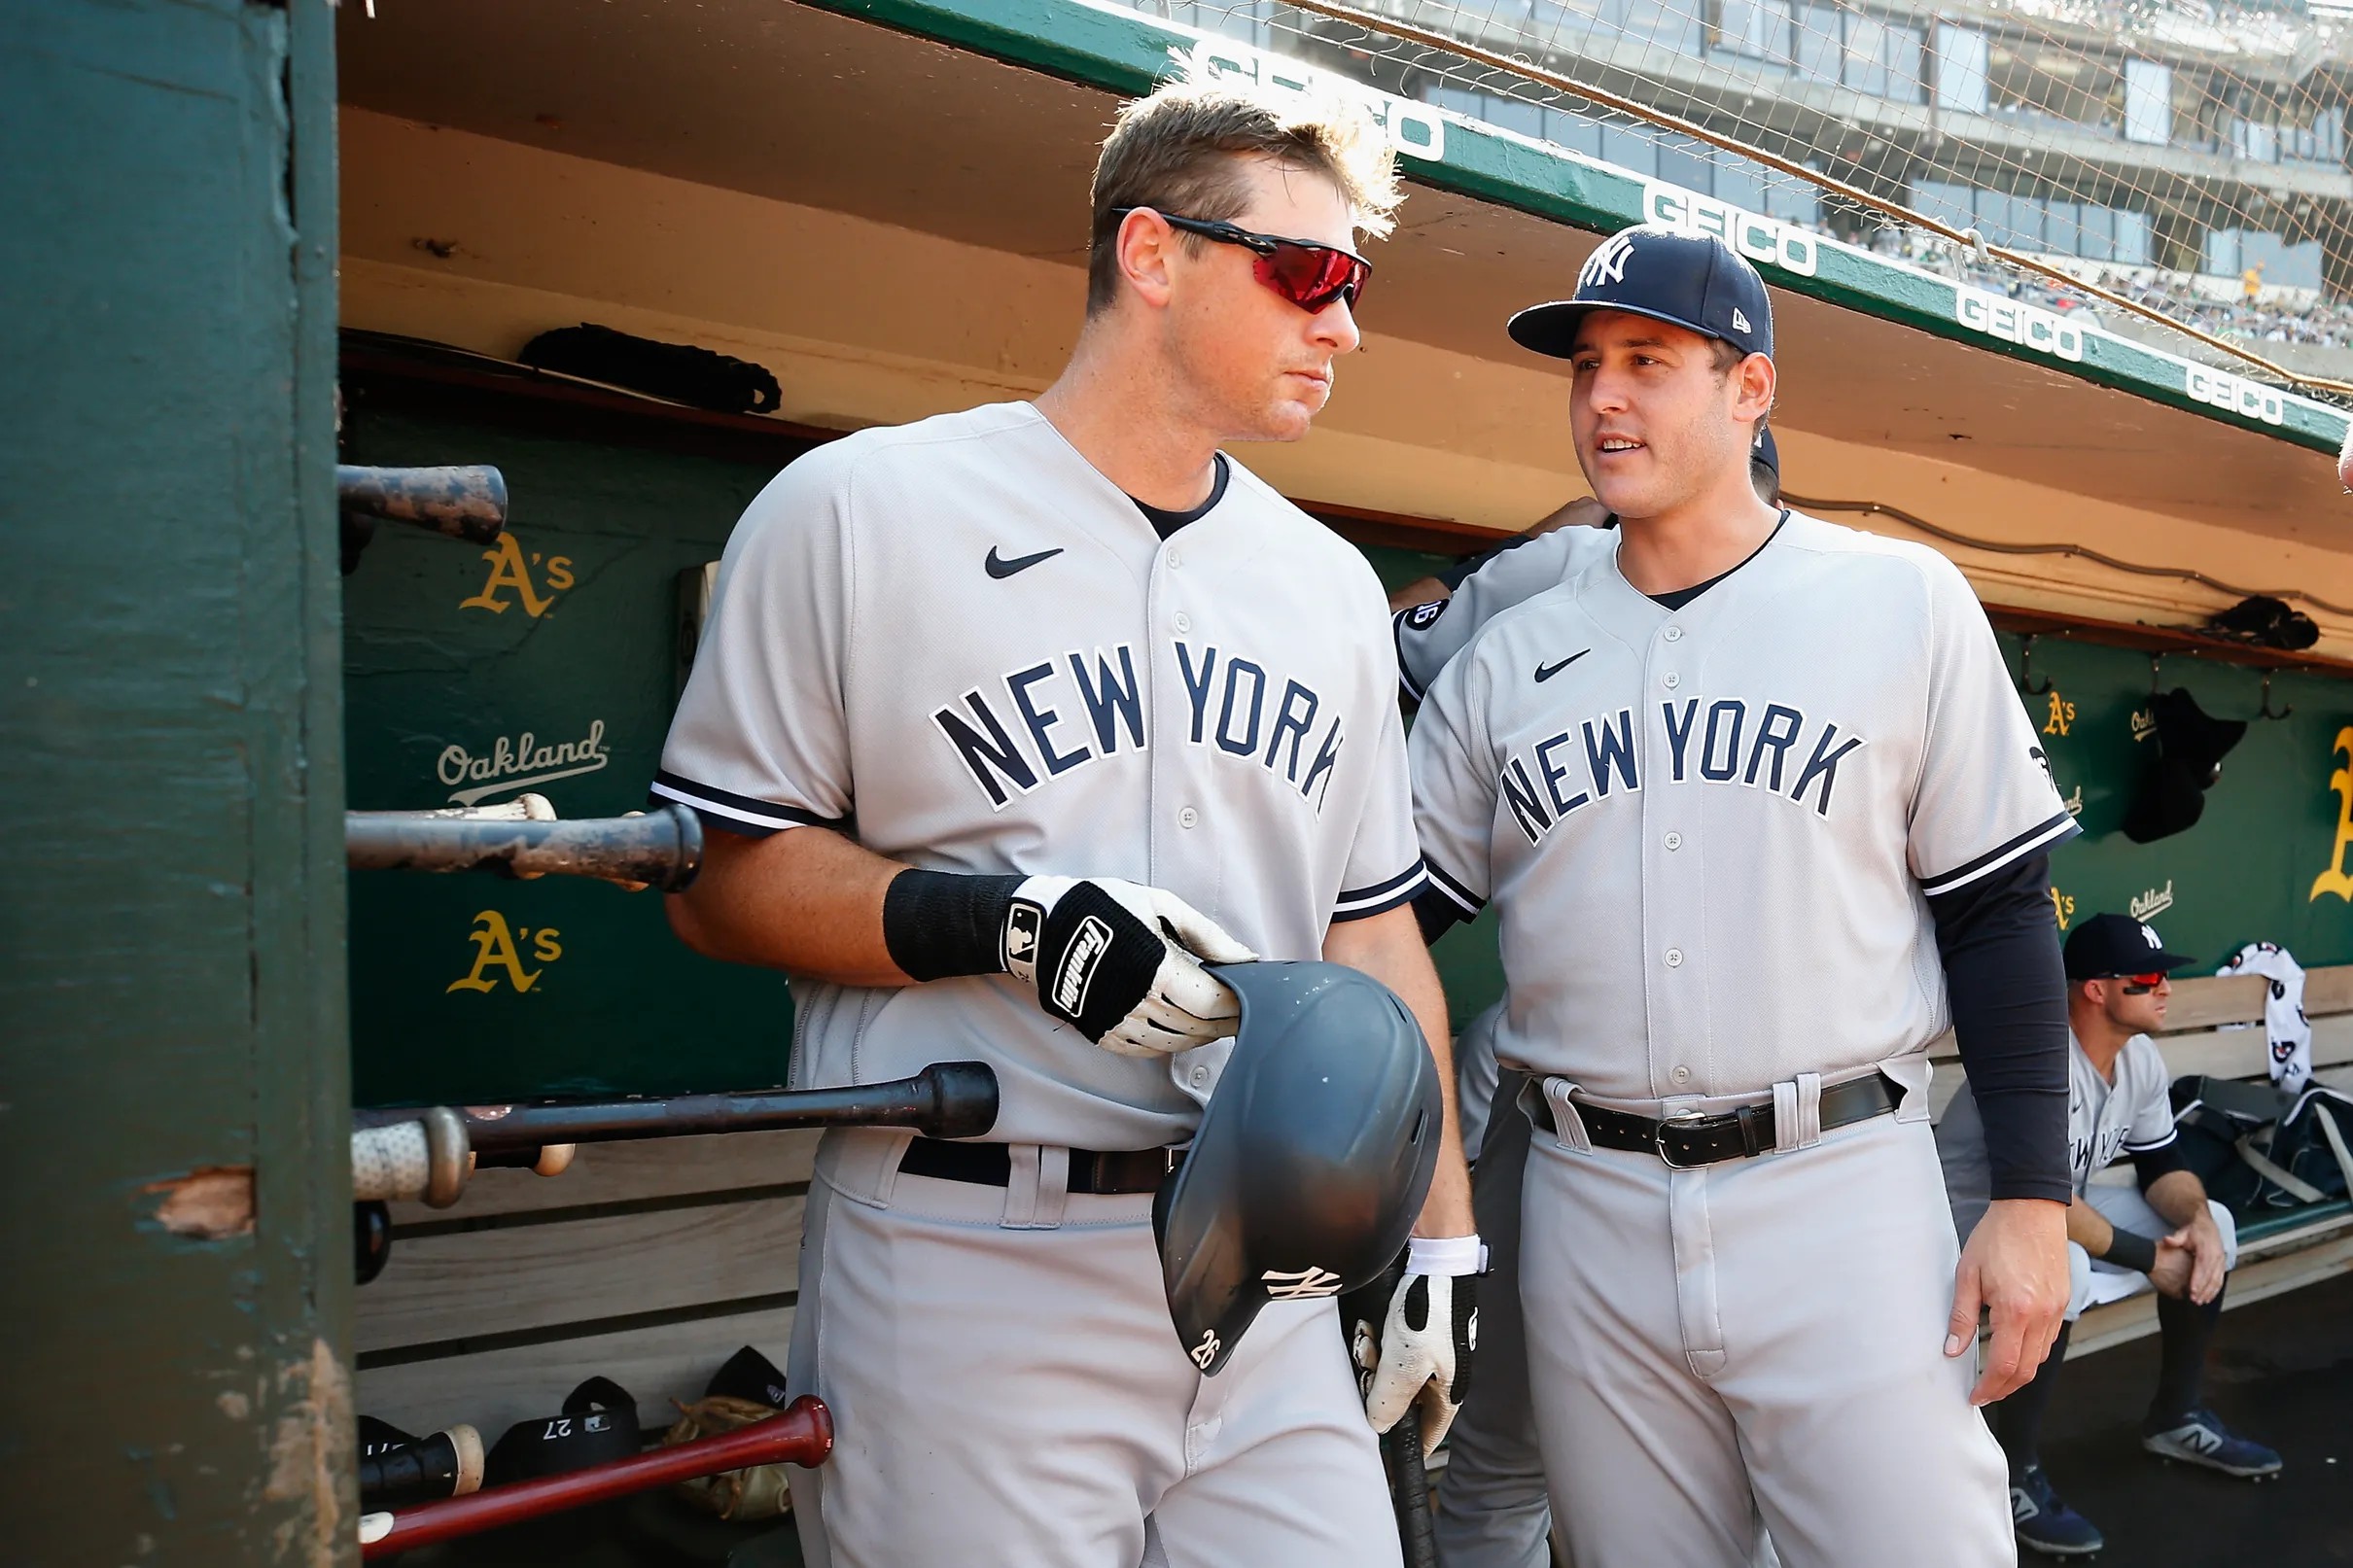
[{"x": 2277, "y": 1254}]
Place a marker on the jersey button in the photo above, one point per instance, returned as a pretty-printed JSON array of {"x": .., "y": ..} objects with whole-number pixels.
[
  {"x": 1674, "y": 633},
  {"x": 1681, "y": 1075},
  {"x": 1188, "y": 817},
  {"x": 1184, "y": 622},
  {"x": 1173, "y": 560},
  {"x": 1671, "y": 679},
  {"x": 1674, "y": 841},
  {"x": 1674, "y": 958}
]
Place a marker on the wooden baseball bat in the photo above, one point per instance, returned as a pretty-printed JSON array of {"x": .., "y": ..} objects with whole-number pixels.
[
  {"x": 802, "y": 1434},
  {"x": 429, "y": 1152},
  {"x": 468, "y": 502},
  {"x": 664, "y": 847}
]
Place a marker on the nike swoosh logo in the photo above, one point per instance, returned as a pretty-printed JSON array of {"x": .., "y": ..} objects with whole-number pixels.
[
  {"x": 1545, "y": 672},
  {"x": 999, "y": 567}
]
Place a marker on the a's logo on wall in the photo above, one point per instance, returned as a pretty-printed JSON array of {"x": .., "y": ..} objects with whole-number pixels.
[
  {"x": 2062, "y": 717},
  {"x": 2062, "y": 908},
  {"x": 498, "y": 951},
  {"x": 512, "y": 573},
  {"x": 2153, "y": 902},
  {"x": 2144, "y": 724},
  {"x": 2335, "y": 880},
  {"x": 517, "y": 762}
]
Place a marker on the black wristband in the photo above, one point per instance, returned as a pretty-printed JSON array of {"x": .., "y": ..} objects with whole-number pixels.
[
  {"x": 2129, "y": 1249},
  {"x": 939, "y": 923}
]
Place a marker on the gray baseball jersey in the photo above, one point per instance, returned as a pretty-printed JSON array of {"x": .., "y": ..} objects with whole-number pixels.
[
  {"x": 2104, "y": 1120},
  {"x": 959, "y": 640},
  {"x": 1709, "y": 832},
  {"x": 1428, "y": 635}
]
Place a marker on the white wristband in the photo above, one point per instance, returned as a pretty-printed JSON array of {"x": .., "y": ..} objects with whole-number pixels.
[{"x": 1448, "y": 1256}]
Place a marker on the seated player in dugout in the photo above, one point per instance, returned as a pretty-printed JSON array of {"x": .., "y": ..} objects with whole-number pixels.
[
  {"x": 1492, "y": 1512},
  {"x": 2161, "y": 1232},
  {"x": 1761, "y": 814},
  {"x": 969, "y": 841}
]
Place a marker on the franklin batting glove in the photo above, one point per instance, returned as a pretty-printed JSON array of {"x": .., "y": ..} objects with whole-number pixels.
[
  {"x": 1122, "y": 963},
  {"x": 1424, "y": 1354}
]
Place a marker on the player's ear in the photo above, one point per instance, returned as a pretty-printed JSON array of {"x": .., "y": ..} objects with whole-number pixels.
[
  {"x": 1144, "y": 246},
  {"x": 1755, "y": 379}
]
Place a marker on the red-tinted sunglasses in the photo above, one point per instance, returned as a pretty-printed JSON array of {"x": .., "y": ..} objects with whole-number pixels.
[
  {"x": 1307, "y": 274},
  {"x": 2141, "y": 985}
]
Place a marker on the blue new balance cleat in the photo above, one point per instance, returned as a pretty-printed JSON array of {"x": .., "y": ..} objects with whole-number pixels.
[
  {"x": 2201, "y": 1439},
  {"x": 2045, "y": 1524}
]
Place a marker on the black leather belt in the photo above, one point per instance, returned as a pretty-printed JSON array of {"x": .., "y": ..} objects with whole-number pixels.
[
  {"x": 1688, "y": 1141},
  {"x": 1105, "y": 1173}
]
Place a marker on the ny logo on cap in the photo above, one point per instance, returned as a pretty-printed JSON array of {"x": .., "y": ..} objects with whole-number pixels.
[
  {"x": 1608, "y": 263},
  {"x": 2150, "y": 937}
]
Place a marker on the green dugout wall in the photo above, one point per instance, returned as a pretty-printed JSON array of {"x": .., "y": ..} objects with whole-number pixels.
[
  {"x": 173, "y": 1090},
  {"x": 551, "y": 664}
]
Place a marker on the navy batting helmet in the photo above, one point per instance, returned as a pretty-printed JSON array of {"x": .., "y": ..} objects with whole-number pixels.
[{"x": 1312, "y": 1158}]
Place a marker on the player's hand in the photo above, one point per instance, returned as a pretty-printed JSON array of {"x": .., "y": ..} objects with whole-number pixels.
[
  {"x": 2206, "y": 1244},
  {"x": 2175, "y": 1264},
  {"x": 1423, "y": 1353},
  {"x": 2015, "y": 1266},
  {"x": 1122, "y": 963}
]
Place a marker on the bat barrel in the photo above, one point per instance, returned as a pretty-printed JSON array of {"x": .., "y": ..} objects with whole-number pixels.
[
  {"x": 467, "y": 501},
  {"x": 947, "y": 1099},
  {"x": 662, "y": 848},
  {"x": 801, "y": 1435}
]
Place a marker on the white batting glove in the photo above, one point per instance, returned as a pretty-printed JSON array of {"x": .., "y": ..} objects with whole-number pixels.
[
  {"x": 1422, "y": 1356},
  {"x": 1122, "y": 963}
]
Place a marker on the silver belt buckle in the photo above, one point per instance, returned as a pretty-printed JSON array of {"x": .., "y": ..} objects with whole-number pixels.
[{"x": 1658, "y": 1137}]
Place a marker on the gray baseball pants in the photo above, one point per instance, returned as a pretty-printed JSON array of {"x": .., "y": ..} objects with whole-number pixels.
[
  {"x": 1006, "y": 1388},
  {"x": 1754, "y": 1345}
]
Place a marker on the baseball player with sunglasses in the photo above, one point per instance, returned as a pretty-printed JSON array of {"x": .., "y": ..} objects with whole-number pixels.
[
  {"x": 1761, "y": 814},
  {"x": 2162, "y": 1232},
  {"x": 1005, "y": 722}
]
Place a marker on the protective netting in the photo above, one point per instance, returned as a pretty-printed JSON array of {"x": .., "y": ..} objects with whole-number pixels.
[{"x": 2183, "y": 156}]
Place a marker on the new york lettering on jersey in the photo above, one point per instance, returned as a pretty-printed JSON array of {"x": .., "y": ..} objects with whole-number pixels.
[{"x": 1055, "y": 715}]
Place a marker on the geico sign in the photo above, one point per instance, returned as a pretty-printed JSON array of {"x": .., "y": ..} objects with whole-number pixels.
[
  {"x": 2013, "y": 323},
  {"x": 2246, "y": 399},
  {"x": 1760, "y": 239},
  {"x": 1413, "y": 129}
]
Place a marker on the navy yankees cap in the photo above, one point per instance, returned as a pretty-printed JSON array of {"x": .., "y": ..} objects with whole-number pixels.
[
  {"x": 2116, "y": 945},
  {"x": 1693, "y": 281}
]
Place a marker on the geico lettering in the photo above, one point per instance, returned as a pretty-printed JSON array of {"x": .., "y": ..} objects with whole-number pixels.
[
  {"x": 1761, "y": 239},
  {"x": 2014, "y": 323},
  {"x": 1409, "y": 127},
  {"x": 2236, "y": 395}
]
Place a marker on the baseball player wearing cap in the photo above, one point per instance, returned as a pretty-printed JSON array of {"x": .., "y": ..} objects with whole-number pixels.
[
  {"x": 2162, "y": 1232},
  {"x": 1492, "y": 1512},
  {"x": 1761, "y": 814},
  {"x": 1005, "y": 720}
]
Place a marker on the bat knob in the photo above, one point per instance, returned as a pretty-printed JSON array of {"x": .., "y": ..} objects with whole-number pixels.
[{"x": 964, "y": 1098}]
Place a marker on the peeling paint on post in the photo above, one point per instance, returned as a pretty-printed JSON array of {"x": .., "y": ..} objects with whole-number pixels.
[{"x": 171, "y": 963}]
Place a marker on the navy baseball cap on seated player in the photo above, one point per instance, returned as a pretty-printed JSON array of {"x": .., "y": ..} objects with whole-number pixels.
[
  {"x": 2116, "y": 945},
  {"x": 1692, "y": 281}
]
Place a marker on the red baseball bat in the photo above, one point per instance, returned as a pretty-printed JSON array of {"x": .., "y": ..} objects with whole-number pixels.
[{"x": 802, "y": 1434}]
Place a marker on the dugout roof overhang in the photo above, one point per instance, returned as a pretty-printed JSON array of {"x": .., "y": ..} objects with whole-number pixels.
[{"x": 978, "y": 121}]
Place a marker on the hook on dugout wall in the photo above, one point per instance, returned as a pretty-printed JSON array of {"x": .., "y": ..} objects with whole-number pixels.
[
  {"x": 2025, "y": 669},
  {"x": 2266, "y": 711}
]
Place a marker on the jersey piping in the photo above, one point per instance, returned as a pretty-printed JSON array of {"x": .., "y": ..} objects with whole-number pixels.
[
  {"x": 743, "y": 814},
  {"x": 2049, "y": 834}
]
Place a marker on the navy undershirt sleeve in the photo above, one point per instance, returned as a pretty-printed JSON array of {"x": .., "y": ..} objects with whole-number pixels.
[
  {"x": 2009, "y": 991},
  {"x": 2148, "y": 1165}
]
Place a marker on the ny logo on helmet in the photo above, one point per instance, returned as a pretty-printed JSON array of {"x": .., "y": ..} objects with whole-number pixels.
[
  {"x": 1298, "y": 1284},
  {"x": 1608, "y": 263}
]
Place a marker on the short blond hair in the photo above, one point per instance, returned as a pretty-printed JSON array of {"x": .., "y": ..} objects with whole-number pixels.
[{"x": 1176, "y": 151}]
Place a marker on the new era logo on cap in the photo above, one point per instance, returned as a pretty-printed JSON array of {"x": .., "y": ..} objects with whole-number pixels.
[{"x": 1692, "y": 281}]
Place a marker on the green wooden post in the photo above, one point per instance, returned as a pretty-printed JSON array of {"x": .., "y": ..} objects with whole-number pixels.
[{"x": 175, "y": 1322}]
